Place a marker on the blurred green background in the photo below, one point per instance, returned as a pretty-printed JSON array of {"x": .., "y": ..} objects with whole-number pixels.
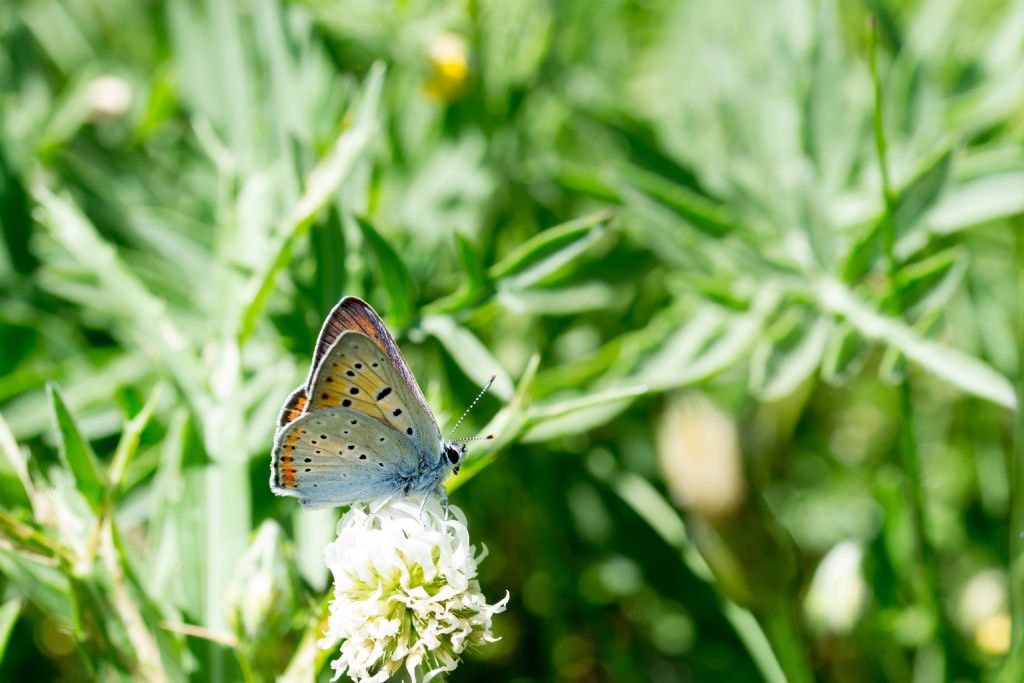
[{"x": 751, "y": 294}]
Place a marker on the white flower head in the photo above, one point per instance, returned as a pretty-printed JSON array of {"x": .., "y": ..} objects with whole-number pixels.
[{"x": 405, "y": 591}]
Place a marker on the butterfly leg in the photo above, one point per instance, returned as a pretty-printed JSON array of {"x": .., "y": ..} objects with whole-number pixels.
[
  {"x": 374, "y": 511},
  {"x": 443, "y": 494},
  {"x": 423, "y": 505}
]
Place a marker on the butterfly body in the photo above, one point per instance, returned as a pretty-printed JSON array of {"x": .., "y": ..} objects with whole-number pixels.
[{"x": 359, "y": 427}]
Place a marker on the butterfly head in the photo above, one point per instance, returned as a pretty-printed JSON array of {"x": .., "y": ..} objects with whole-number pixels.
[{"x": 454, "y": 453}]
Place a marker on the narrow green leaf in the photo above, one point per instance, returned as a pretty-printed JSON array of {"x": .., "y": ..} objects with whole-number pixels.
[
  {"x": 921, "y": 192},
  {"x": 569, "y": 406},
  {"x": 474, "y": 285},
  {"x": 682, "y": 345},
  {"x": 846, "y": 353},
  {"x": 393, "y": 273},
  {"x": 580, "y": 298},
  {"x": 469, "y": 354},
  {"x": 45, "y": 586},
  {"x": 827, "y": 109},
  {"x": 734, "y": 340},
  {"x": 129, "y": 443},
  {"x": 19, "y": 490},
  {"x": 547, "y": 246},
  {"x": 472, "y": 266},
  {"x": 168, "y": 505},
  {"x": 703, "y": 214},
  {"x": 579, "y": 420},
  {"x": 327, "y": 240},
  {"x": 580, "y": 414},
  {"x": 910, "y": 204},
  {"x": 75, "y": 451},
  {"x": 954, "y": 366},
  {"x": 927, "y": 285},
  {"x": 979, "y": 201},
  {"x": 578, "y": 179},
  {"x": 29, "y": 540},
  {"x": 8, "y": 616},
  {"x": 778, "y": 367}
]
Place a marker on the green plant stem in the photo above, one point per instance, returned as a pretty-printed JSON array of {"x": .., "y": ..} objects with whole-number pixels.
[
  {"x": 927, "y": 580},
  {"x": 781, "y": 628},
  {"x": 1013, "y": 669},
  {"x": 244, "y": 666}
]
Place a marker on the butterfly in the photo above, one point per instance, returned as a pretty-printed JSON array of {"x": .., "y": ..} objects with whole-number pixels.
[{"x": 359, "y": 427}]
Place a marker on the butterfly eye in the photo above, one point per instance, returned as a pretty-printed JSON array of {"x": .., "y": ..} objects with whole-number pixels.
[{"x": 452, "y": 454}]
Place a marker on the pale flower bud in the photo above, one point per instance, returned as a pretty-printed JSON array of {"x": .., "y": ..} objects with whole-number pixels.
[
  {"x": 108, "y": 97},
  {"x": 836, "y": 596},
  {"x": 699, "y": 454},
  {"x": 982, "y": 611}
]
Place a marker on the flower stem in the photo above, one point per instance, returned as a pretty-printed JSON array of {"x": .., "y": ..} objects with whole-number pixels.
[
  {"x": 1013, "y": 668},
  {"x": 781, "y": 628}
]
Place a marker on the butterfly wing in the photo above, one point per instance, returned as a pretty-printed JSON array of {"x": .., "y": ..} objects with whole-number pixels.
[
  {"x": 357, "y": 374},
  {"x": 293, "y": 407},
  {"x": 350, "y": 314},
  {"x": 336, "y": 456}
]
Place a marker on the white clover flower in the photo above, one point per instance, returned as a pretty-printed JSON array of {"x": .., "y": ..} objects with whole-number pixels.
[{"x": 405, "y": 592}]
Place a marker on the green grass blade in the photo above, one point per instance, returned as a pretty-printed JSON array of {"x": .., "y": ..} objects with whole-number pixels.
[
  {"x": 393, "y": 273},
  {"x": 8, "y": 616},
  {"x": 19, "y": 491},
  {"x": 75, "y": 451},
  {"x": 129, "y": 444}
]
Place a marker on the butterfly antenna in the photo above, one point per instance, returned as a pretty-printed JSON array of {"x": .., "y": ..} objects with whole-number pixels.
[
  {"x": 475, "y": 438},
  {"x": 478, "y": 397}
]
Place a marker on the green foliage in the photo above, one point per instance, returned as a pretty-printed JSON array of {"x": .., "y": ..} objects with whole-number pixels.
[{"x": 804, "y": 216}]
